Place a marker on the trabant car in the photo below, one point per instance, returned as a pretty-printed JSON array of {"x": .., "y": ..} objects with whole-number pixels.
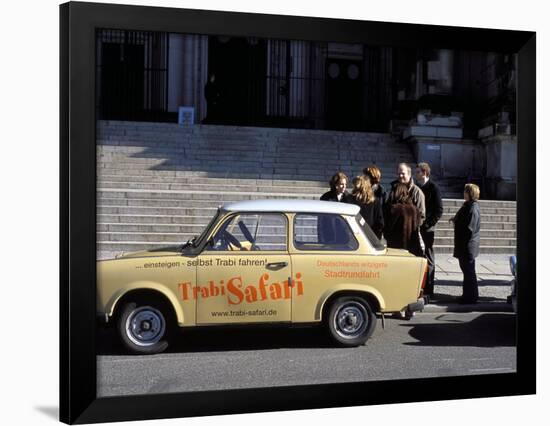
[{"x": 263, "y": 261}]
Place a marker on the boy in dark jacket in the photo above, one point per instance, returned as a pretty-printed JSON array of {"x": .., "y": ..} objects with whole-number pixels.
[
  {"x": 466, "y": 241},
  {"x": 338, "y": 184}
]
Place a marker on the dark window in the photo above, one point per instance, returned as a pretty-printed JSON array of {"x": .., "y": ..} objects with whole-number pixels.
[
  {"x": 369, "y": 233},
  {"x": 323, "y": 232}
]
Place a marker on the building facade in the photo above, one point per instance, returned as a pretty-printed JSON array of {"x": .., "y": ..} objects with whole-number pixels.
[{"x": 446, "y": 104}]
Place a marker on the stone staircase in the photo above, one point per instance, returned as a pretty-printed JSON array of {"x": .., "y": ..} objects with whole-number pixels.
[{"x": 159, "y": 183}]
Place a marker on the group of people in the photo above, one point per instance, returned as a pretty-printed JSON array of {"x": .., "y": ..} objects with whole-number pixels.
[{"x": 407, "y": 214}]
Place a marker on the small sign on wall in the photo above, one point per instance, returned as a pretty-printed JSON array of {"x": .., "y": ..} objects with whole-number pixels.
[{"x": 186, "y": 116}]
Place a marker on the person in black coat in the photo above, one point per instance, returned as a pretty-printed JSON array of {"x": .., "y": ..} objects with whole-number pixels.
[
  {"x": 371, "y": 207},
  {"x": 338, "y": 183},
  {"x": 212, "y": 95},
  {"x": 434, "y": 211},
  {"x": 466, "y": 241}
]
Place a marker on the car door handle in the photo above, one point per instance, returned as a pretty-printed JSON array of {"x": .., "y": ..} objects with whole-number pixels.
[{"x": 276, "y": 265}]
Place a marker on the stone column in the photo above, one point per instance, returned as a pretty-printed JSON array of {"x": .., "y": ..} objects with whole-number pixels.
[
  {"x": 446, "y": 60},
  {"x": 187, "y": 73},
  {"x": 501, "y": 177},
  {"x": 175, "y": 71}
]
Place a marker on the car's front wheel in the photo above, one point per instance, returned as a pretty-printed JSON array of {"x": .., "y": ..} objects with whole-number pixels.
[
  {"x": 350, "y": 320},
  {"x": 143, "y": 328}
]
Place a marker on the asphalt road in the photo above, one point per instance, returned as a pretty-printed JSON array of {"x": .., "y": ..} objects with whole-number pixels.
[{"x": 430, "y": 345}]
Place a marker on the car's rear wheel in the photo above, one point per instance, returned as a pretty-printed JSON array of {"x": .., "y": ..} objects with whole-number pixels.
[
  {"x": 350, "y": 320},
  {"x": 143, "y": 328}
]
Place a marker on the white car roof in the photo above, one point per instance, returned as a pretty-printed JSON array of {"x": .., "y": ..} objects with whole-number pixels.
[{"x": 292, "y": 206}]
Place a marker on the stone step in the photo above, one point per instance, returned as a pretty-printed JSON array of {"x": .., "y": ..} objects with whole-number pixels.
[
  {"x": 507, "y": 226},
  {"x": 491, "y": 210},
  {"x": 221, "y": 189},
  {"x": 160, "y": 203},
  {"x": 230, "y": 176},
  {"x": 267, "y": 149},
  {"x": 365, "y": 151},
  {"x": 205, "y": 199},
  {"x": 184, "y": 177},
  {"x": 484, "y": 233},
  {"x": 160, "y": 183},
  {"x": 137, "y": 128},
  {"x": 445, "y": 249},
  {"x": 204, "y": 215},
  {"x": 152, "y": 227},
  {"x": 332, "y": 149},
  {"x": 120, "y": 199},
  {"x": 122, "y": 128},
  {"x": 165, "y": 211},
  {"x": 146, "y": 237},
  {"x": 219, "y": 184},
  {"x": 238, "y": 168},
  {"x": 188, "y": 194},
  {"x": 213, "y": 182},
  {"x": 257, "y": 164},
  {"x": 202, "y": 136},
  {"x": 241, "y": 185},
  {"x": 108, "y": 249},
  {"x": 447, "y": 201},
  {"x": 201, "y": 177},
  {"x": 276, "y": 151},
  {"x": 185, "y": 233},
  {"x": 221, "y": 170},
  {"x": 197, "y": 185},
  {"x": 158, "y": 219},
  {"x": 484, "y": 241},
  {"x": 484, "y": 217}
]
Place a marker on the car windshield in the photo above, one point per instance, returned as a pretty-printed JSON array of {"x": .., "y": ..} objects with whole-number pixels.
[{"x": 369, "y": 233}]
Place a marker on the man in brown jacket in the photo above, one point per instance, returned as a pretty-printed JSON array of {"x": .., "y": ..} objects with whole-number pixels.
[
  {"x": 416, "y": 194},
  {"x": 417, "y": 197}
]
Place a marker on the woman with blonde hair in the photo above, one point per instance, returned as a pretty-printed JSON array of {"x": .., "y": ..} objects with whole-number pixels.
[
  {"x": 374, "y": 175},
  {"x": 467, "y": 224},
  {"x": 371, "y": 206}
]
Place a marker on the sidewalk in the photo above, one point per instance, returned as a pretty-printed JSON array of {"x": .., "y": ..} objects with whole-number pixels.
[{"x": 493, "y": 275}]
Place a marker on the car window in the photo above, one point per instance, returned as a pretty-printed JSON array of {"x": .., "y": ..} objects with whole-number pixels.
[
  {"x": 323, "y": 232},
  {"x": 251, "y": 232},
  {"x": 369, "y": 233}
]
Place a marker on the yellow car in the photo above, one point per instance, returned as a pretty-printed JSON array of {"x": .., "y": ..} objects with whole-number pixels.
[{"x": 262, "y": 261}]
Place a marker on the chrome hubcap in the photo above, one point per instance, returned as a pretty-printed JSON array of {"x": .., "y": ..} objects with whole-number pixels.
[
  {"x": 350, "y": 320},
  {"x": 145, "y": 326}
]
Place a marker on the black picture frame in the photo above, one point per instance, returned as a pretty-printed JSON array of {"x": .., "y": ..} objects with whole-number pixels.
[{"x": 78, "y": 401}]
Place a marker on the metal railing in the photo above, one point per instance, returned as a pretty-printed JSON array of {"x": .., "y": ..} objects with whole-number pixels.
[{"x": 132, "y": 75}]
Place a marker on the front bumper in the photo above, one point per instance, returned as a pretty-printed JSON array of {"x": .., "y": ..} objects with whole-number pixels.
[{"x": 416, "y": 306}]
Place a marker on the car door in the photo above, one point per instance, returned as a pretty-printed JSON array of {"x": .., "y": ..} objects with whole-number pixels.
[
  {"x": 244, "y": 273},
  {"x": 324, "y": 248}
]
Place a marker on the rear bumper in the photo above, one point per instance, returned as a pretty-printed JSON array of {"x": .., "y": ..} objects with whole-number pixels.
[
  {"x": 416, "y": 306},
  {"x": 102, "y": 319}
]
